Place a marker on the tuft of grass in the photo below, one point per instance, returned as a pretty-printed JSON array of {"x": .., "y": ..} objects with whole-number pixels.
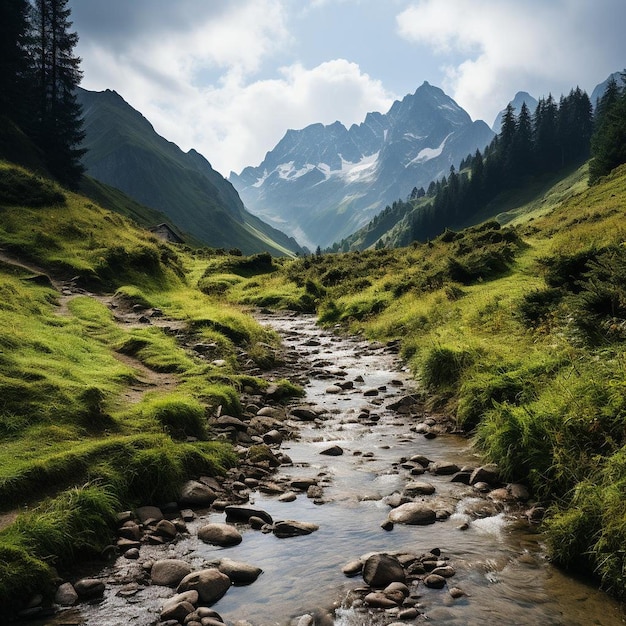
[{"x": 180, "y": 415}]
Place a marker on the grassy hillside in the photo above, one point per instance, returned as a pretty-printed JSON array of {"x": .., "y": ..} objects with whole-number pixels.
[
  {"x": 519, "y": 332},
  {"x": 124, "y": 151},
  {"x": 86, "y": 428}
]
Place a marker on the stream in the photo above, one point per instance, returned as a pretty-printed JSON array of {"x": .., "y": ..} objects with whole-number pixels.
[{"x": 498, "y": 556}]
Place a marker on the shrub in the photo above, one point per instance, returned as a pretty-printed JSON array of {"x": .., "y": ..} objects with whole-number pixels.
[{"x": 537, "y": 305}]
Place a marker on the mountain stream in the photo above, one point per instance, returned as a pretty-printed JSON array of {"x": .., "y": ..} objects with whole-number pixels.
[{"x": 498, "y": 556}]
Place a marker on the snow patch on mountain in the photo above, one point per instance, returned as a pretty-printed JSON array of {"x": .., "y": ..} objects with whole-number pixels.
[{"x": 427, "y": 154}]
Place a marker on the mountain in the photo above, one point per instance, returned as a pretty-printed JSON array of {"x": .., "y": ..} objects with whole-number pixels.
[
  {"x": 124, "y": 151},
  {"x": 322, "y": 183},
  {"x": 599, "y": 90},
  {"x": 518, "y": 100}
]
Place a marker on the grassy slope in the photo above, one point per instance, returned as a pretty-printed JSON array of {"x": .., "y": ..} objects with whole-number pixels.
[
  {"x": 540, "y": 387},
  {"x": 72, "y": 445}
]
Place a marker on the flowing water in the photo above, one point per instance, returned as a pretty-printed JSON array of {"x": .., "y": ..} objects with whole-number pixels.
[{"x": 499, "y": 559}]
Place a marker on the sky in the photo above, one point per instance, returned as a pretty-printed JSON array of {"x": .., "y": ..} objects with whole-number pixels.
[{"x": 230, "y": 77}]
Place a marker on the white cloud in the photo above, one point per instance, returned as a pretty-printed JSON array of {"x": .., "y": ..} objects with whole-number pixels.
[
  {"x": 235, "y": 124},
  {"x": 200, "y": 86},
  {"x": 503, "y": 46}
]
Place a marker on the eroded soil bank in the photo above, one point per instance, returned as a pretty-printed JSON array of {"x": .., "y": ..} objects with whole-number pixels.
[{"x": 354, "y": 450}]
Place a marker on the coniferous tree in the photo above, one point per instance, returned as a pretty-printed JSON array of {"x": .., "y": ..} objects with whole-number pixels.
[
  {"x": 15, "y": 62},
  {"x": 546, "y": 145},
  {"x": 59, "y": 120},
  {"x": 608, "y": 144},
  {"x": 522, "y": 149}
]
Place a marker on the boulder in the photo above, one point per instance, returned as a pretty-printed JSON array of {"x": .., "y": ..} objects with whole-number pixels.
[
  {"x": 413, "y": 513},
  {"x": 239, "y": 573},
  {"x": 444, "y": 468},
  {"x": 210, "y": 584},
  {"x": 291, "y": 528},
  {"x": 303, "y": 414},
  {"x": 195, "y": 493},
  {"x": 177, "y": 612},
  {"x": 434, "y": 581},
  {"x": 89, "y": 588},
  {"x": 419, "y": 488},
  {"x": 352, "y": 568},
  {"x": 333, "y": 451},
  {"x": 244, "y": 513},
  {"x": 166, "y": 529},
  {"x": 66, "y": 595},
  {"x": 378, "y": 600},
  {"x": 485, "y": 474},
  {"x": 380, "y": 570},
  {"x": 149, "y": 513},
  {"x": 169, "y": 572},
  {"x": 218, "y": 534}
]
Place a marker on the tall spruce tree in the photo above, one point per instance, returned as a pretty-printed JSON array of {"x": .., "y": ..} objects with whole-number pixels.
[
  {"x": 15, "y": 62},
  {"x": 59, "y": 120},
  {"x": 608, "y": 144}
]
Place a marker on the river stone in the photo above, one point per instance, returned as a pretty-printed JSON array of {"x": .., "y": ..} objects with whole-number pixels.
[
  {"x": 333, "y": 451},
  {"x": 485, "y": 474},
  {"x": 186, "y": 596},
  {"x": 462, "y": 477},
  {"x": 434, "y": 581},
  {"x": 372, "y": 391},
  {"x": 177, "y": 612},
  {"x": 419, "y": 488},
  {"x": 398, "y": 587},
  {"x": 147, "y": 513},
  {"x": 132, "y": 554},
  {"x": 244, "y": 513},
  {"x": 379, "y": 570},
  {"x": 228, "y": 421},
  {"x": 455, "y": 592},
  {"x": 210, "y": 584},
  {"x": 256, "y": 523},
  {"x": 303, "y": 483},
  {"x": 424, "y": 461},
  {"x": 166, "y": 529},
  {"x": 378, "y": 600},
  {"x": 352, "y": 568},
  {"x": 334, "y": 389},
  {"x": 304, "y": 414},
  {"x": 269, "y": 411},
  {"x": 240, "y": 573},
  {"x": 447, "y": 571},
  {"x": 66, "y": 595},
  {"x": 124, "y": 545},
  {"x": 289, "y": 496},
  {"x": 219, "y": 534},
  {"x": 169, "y": 572},
  {"x": 130, "y": 530},
  {"x": 291, "y": 528},
  {"x": 195, "y": 493},
  {"x": 413, "y": 513},
  {"x": 444, "y": 468},
  {"x": 88, "y": 588},
  {"x": 273, "y": 437}
]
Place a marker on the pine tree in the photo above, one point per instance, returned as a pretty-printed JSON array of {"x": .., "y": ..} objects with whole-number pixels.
[
  {"x": 15, "y": 62},
  {"x": 59, "y": 121},
  {"x": 522, "y": 150},
  {"x": 608, "y": 144},
  {"x": 547, "y": 153}
]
